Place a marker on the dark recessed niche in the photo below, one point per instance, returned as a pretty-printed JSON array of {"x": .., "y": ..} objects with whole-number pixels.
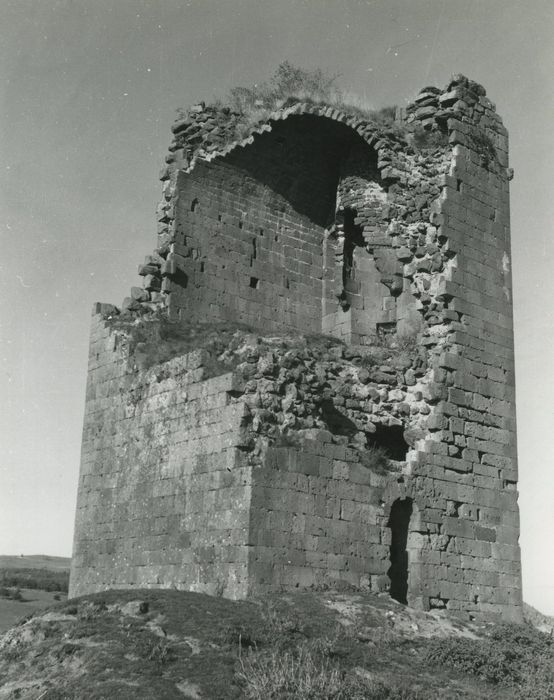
[
  {"x": 385, "y": 329},
  {"x": 194, "y": 204},
  {"x": 254, "y": 283},
  {"x": 241, "y": 224},
  {"x": 399, "y": 523},
  {"x": 391, "y": 439}
]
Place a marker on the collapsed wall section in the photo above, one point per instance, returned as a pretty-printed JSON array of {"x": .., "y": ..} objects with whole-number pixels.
[
  {"x": 235, "y": 472},
  {"x": 288, "y": 229},
  {"x": 249, "y": 229}
]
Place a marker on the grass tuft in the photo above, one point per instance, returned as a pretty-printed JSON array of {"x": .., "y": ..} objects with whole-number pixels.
[{"x": 289, "y": 85}]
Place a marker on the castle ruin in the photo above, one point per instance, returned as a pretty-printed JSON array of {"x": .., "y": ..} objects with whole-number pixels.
[{"x": 315, "y": 384}]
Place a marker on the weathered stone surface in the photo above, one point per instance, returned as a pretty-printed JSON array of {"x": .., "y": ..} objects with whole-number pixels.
[{"x": 248, "y": 463}]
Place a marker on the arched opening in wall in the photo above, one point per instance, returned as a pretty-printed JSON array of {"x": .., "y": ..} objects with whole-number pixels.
[
  {"x": 274, "y": 200},
  {"x": 399, "y": 523}
]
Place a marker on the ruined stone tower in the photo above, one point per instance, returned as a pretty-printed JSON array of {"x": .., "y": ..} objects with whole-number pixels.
[{"x": 315, "y": 384}]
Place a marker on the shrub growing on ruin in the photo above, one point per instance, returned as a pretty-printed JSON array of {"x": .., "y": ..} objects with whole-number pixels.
[
  {"x": 376, "y": 459},
  {"x": 291, "y": 84},
  {"x": 484, "y": 146},
  {"x": 428, "y": 139}
]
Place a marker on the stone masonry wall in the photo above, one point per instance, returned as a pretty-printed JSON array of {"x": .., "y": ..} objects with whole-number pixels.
[
  {"x": 163, "y": 494},
  {"x": 249, "y": 229},
  {"x": 386, "y": 461},
  {"x": 185, "y": 479},
  {"x": 296, "y": 177},
  {"x": 474, "y": 443}
]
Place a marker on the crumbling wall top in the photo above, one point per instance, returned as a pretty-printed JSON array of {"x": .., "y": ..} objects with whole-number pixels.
[{"x": 206, "y": 131}]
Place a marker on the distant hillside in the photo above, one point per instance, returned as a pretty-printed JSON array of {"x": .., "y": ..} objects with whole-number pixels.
[
  {"x": 34, "y": 561},
  {"x": 29, "y": 584},
  {"x": 38, "y": 572},
  {"x": 165, "y": 645}
]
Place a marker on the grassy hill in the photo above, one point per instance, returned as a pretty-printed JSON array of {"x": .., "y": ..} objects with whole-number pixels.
[
  {"x": 162, "y": 645},
  {"x": 30, "y": 583}
]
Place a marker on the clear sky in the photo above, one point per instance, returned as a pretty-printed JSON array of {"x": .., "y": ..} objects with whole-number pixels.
[{"x": 89, "y": 89}]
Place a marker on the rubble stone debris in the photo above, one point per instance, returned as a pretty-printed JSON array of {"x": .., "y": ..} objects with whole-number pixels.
[{"x": 314, "y": 385}]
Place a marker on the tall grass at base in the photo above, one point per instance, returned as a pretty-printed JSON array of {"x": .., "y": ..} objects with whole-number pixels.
[{"x": 303, "y": 674}]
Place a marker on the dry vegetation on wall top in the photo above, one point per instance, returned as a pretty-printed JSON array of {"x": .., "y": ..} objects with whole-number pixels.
[
  {"x": 249, "y": 106},
  {"x": 290, "y": 84},
  {"x": 134, "y": 645}
]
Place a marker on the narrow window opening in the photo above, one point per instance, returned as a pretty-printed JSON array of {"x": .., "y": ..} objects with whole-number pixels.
[
  {"x": 194, "y": 204},
  {"x": 219, "y": 217},
  {"x": 399, "y": 522},
  {"x": 254, "y": 282},
  {"x": 254, "y": 250},
  {"x": 353, "y": 238},
  {"x": 459, "y": 185},
  {"x": 287, "y": 283},
  {"x": 261, "y": 232},
  {"x": 241, "y": 224},
  {"x": 202, "y": 267}
]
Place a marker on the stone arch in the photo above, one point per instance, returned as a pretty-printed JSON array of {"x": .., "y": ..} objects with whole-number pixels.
[
  {"x": 272, "y": 203},
  {"x": 369, "y": 131}
]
